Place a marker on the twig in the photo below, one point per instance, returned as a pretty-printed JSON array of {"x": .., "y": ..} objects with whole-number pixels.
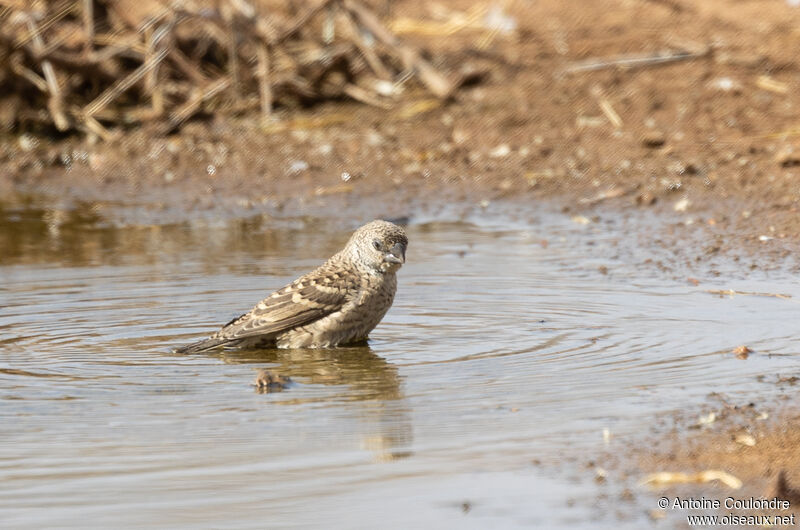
[
  {"x": 329, "y": 26},
  {"x": 267, "y": 31},
  {"x": 188, "y": 109},
  {"x": 765, "y": 82},
  {"x": 151, "y": 84},
  {"x": 244, "y": 8},
  {"x": 439, "y": 85},
  {"x": 265, "y": 89},
  {"x": 53, "y": 44},
  {"x": 233, "y": 54},
  {"x": 26, "y": 73},
  {"x": 94, "y": 127},
  {"x": 79, "y": 60},
  {"x": 611, "y": 114},
  {"x": 88, "y": 22},
  {"x": 366, "y": 50},
  {"x": 60, "y": 11},
  {"x": 667, "y": 478},
  {"x": 185, "y": 65},
  {"x": 364, "y": 96},
  {"x": 472, "y": 18},
  {"x": 611, "y": 193},
  {"x": 633, "y": 61},
  {"x": 299, "y": 22},
  {"x": 261, "y": 25},
  {"x": 54, "y": 102},
  {"x": 113, "y": 92}
]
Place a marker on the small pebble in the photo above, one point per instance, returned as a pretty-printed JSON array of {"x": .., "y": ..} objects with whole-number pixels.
[
  {"x": 742, "y": 352},
  {"x": 500, "y": 151},
  {"x": 788, "y": 158},
  {"x": 653, "y": 139}
]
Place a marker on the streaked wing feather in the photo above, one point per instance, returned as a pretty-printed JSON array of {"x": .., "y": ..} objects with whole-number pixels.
[{"x": 303, "y": 301}]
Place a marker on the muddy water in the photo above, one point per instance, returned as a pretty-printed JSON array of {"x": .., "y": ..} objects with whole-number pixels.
[{"x": 476, "y": 402}]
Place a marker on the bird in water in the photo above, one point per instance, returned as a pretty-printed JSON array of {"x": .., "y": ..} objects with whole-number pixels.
[{"x": 338, "y": 303}]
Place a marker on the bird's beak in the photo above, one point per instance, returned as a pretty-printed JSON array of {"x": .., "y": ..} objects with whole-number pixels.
[{"x": 397, "y": 254}]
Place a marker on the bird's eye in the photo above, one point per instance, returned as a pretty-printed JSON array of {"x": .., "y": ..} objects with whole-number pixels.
[{"x": 376, "y": 244}]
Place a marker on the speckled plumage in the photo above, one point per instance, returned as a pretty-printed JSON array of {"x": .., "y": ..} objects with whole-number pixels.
[{"x": 338, "y": 303}]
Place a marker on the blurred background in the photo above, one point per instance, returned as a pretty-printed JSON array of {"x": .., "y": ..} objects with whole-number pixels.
[{"x": 245, "y": 105}]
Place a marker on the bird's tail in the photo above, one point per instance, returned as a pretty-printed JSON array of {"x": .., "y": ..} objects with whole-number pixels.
[{"x": 201, "y": 346}]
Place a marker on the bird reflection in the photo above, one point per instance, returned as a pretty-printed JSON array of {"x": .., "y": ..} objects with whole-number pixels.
[{"x": 367, "y": 377}]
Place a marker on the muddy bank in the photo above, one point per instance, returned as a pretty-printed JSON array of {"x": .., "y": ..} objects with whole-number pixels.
[
  {"x": 711, "y": 133},
  {"x": 713, "y": 463}
]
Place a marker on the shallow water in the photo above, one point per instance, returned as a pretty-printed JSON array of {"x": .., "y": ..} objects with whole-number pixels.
[{"x": 502, "y": 357}]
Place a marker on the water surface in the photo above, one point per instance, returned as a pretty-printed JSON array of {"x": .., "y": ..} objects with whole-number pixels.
[{"x": 510, "y": 347}]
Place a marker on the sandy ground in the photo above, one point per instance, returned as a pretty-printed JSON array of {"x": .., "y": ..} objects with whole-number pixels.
[
  {"x": 711, "y": 138},
  {"x": 755, "y": 444}
]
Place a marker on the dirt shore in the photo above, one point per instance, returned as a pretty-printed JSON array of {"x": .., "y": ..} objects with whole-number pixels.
[
  {"x": 738, "y": 452},
  {"x": 713, "y": 132},
  {"x": 710, "y": 137}
]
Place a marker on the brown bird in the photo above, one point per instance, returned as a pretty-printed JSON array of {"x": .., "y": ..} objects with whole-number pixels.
[{"x": 338, "y": 303}]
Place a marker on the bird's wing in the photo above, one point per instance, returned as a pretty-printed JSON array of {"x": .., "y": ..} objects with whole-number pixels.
[{"x": 303, "y": 301}]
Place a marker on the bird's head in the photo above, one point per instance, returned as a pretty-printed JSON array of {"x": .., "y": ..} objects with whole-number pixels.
[{"x": 380, "y": 246}]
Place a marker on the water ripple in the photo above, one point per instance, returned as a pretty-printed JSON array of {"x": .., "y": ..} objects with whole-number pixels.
[{"x": 498, "y": 350}]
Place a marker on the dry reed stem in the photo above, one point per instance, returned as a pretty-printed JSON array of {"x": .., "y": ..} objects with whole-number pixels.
[
  {"x": 439, "y": 85},
  {"x": 265, "y": 88}
]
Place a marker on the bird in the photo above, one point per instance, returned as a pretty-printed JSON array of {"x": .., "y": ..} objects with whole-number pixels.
[{"x": 338, "y": 303}]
